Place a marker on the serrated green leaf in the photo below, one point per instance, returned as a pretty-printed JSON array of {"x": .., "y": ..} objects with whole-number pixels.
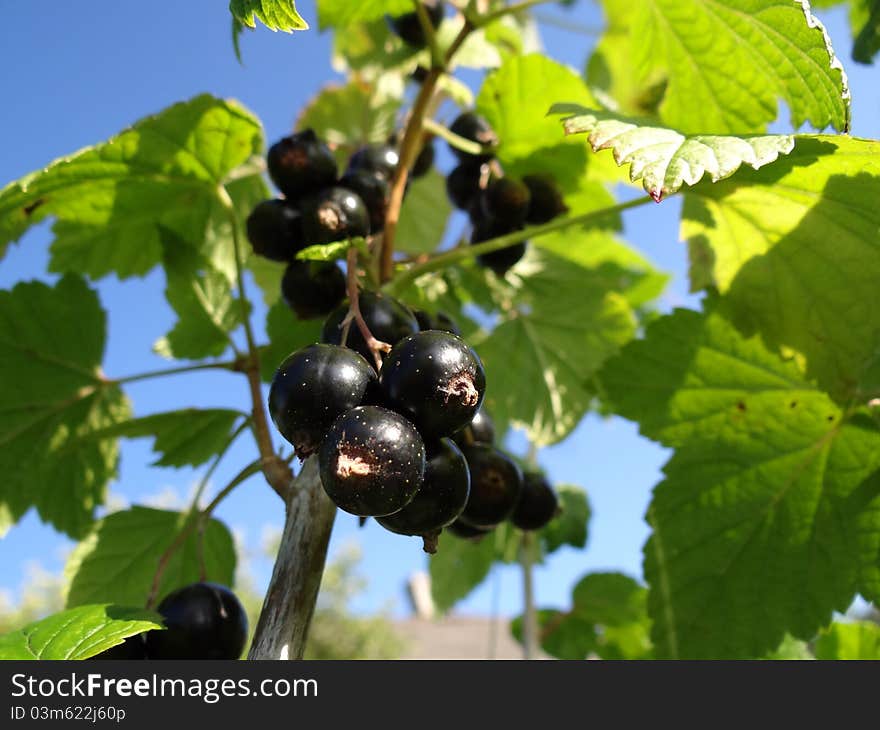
[
  {"x": 188, "y": 437},
  {"x": 663, "y": 159},
  {"x": 515, "y": 99},
  {"x": 274, "y": 14},
  {"x": 541, "y": 357},
  {"x": 865, "y": 19},
  {"x": 286, "y": 334},
  {"x": 332, "y": 251},
  {"x": 729, "y": 64},
  {"x": 858, "y": 640},
  {"x": 790, "y": 649},
  {"x": 55, "y": 335},
  {"x": 570, "y": 526},
  {"x": 804, "y": 277},
  {"x": 342, "y": 13},
  {"x": 349, "y": 116},
  {"x": 767, "y": 520},
  {"x": 611, "y": 599},
  {"x": 117, "y": 561},
  {"x": 424, "y": 214},
  {"x": 112, "y": 201},
  {"x": 562, "y": 635},
  {"x": 458, "y": 567},
  {"x": 78, "y": 633}
]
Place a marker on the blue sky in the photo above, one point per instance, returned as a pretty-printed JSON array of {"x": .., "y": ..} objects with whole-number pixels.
[{"x": 82, "y": 72}]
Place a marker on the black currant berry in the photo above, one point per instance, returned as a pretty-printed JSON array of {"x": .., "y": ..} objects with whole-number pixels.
[
  {"x": 440, "y": 321},
  {"x": 301, "y": 164},
  {"x": 424, "y": 161},
  {"x": 134, "y": 647},
  {"x": 434, "y": 379},
  {"x": 496, "y": 483},
  {"x": 505, "y": 201},
  {"x": 419, "y": 74},
  {"x": 441, "y": 498},
  {"x": 463, "y": 185},
  {"x": 372, "y": 461},
  {"x": 409, "y": 27},
  {"x": 274, "y": 229},
  {"x": 503, "y": 259},
  {"x": 475, "y": 128},
  {"x": 387, "y": 319},
  {"x": 373, "y": 190},
  {"x": 546, "y": 199},
  {"x": 312, "y": 288},
  {"x": 481, "y": 430},
  {"x": 537, "y": 503},
  {"x": 460, "y": 529},
  {"x": 380, "y": 159},
  {"x": 314, "y": 386},
  {"x": 203, "y": 621},
  {"x": 334, "y": 214}
]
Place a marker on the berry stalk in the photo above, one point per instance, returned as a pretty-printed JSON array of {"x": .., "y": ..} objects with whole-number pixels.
[{"x": 354, "y": 311}]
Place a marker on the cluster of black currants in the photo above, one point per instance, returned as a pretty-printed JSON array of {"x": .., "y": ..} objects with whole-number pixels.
[
  {"x": 321, "y": 207},
  {"x": 202, "y": 621},
  {"x": 497, "y": 204}
]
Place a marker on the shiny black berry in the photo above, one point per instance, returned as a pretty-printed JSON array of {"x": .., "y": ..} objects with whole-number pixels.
[
  {"x": 334, "y": 214},
  {"x": 537, "y": 503},
  {"x": 373, "y": 190},
  {"x": 460, "y": 529},
  {"x": 440, "y": 321},
  {"x": 440, "y": 500},
  {"x": 409, "y": 27},
  {"x": 475, "y": 128},
  {"x": 546, "y": 199},
  {"x": 203, "y": 621},
  {"x": 312, "y": 288},
  {"x": 380, "y": 159},
  {"x": 274, "y": 229},
  {"x": 434, "y": 379},
  {"x": 372, "y": 461},
  {"x": 312, "y": 388},
  {"x": 496, "y": 483},
  {"x": 481, "y": 430},
  {"x": 387, "y": 319},
  {"x": 506, "y": 201},
  {"x": 134, "y": 647},
  {"x": 424, "y": 161},
  {"x": 301, "y": 164},
  {"x": 463, "y": 185},
  {"x": 503, "y": 259}
]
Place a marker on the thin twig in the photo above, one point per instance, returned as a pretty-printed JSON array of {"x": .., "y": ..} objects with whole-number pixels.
[
  {"x": 354, "y": 311},
  {"x": 228, "y": 365}
]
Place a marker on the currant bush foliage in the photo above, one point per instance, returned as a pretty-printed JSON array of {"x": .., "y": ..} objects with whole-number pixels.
[{"x": 767, "y": 519}]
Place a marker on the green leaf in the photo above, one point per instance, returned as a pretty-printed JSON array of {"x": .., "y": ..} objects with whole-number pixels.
[
  {"x": 612, "y": 599},
  {"x": 551, "y": 340},
  {"x": 117, "y": 561},
  {"x": 515, "y": 99},
  {"x": 865, "y": 19},
  {"x": 458, "y": 567},
  {"x": 55, "y": 335},
  {"x": 332, "y": 251},
  {"x": 627, "y": 641},
  {"x": 349, "y": 116},
  {"x": 267, "y": 275},
  {"x": 766, "y": 521},
  {"x": 342, "y": 13},
  {"x": 188, "y": 437},
  {"x": 663, "y": 159},
  {"x": 274, "y": 14},
  {"x": 729, "y": 64},
  {"x": 563, "y": 635},
  {"x": 424, "y": 214},
  {"x": 857, "y": 640},
  {"x": 79, "y": 633},
  {"x": 287, "y": 334},
  {"x": 112, "y": 202},
  {"x": 805, "y": 276},
  {"x": 790, "y": 649},
  {"x": 570, "y": 526}
]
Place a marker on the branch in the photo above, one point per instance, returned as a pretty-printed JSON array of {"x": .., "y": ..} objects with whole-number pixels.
[
  {"x": 530, "y": 622},
  {"x": 453, "y": 256},
  {"x": 230, "y": 365},
  {"x": 290, "y": 601},
  {"x": 455, "y": 140},
  {"x": 354, "y": 311},
  {"x": 517, "y": 7},
  {"x": 275, "y": 469}
]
